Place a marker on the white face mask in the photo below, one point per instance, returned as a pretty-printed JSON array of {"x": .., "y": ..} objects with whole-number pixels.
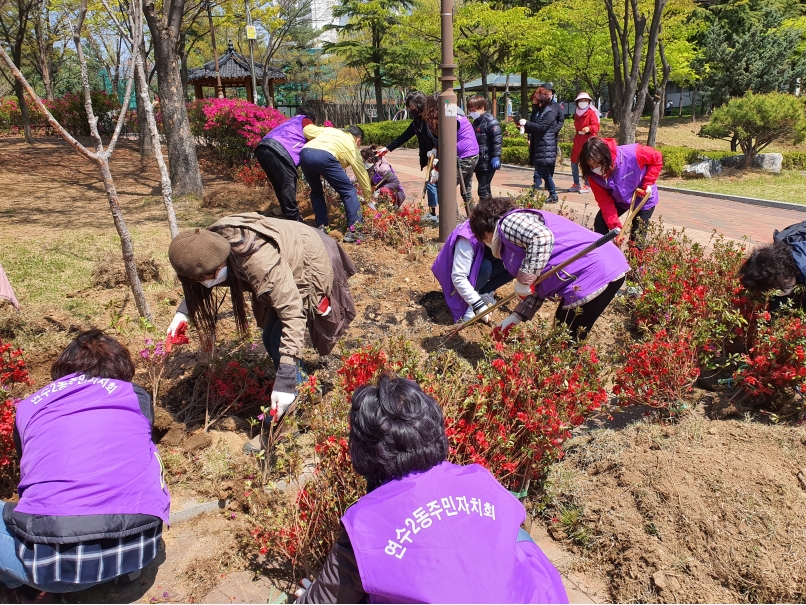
[
  {"x": 475, "y": 114},
  {"x": 368, "y": 165},
  {"x": 583, "y": 104},
  {"x": 598, "y": 170},
  {"x": 214, "y": 281}
]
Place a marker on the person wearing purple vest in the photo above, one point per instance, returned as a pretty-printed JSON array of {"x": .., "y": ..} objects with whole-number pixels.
[
  {"x": 616, "y": 172},
  {"x": 468, "y": 274},
  {"x": 92, "y": 491},
  {"x": 278, "y": 155},
  {"x": 428, "y": 531},
  {"x": 530, "y": 242}
]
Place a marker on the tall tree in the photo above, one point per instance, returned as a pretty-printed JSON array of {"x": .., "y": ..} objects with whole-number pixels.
[
  {"x": 363, "y": 37},
  {"x": 15, "y": 17},
  {"x": 633, "y": 47},
  {"x": 165, "y": 24}
]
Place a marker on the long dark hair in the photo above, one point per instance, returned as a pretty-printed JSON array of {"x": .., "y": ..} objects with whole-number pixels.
[
  {"x": 595, "y": 150},
  {"x": 487, "y": 213},
  {"x": 431, "y": 114},
  {"x": 203, "y": 303}
]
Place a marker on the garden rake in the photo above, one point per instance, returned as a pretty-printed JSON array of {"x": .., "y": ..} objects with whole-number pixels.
[{"x": 612, "y": 234}]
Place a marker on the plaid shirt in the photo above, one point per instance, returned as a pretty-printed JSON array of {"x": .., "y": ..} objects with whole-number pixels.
[
  {"x": 89, "y": 562},
  {"x": 530, "y": 233}
]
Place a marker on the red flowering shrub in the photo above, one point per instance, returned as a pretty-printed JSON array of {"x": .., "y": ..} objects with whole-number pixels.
[
  {"x": 659, "y": 372},
  {"x": 13, "y": 376},
  {"x": 68, "y": 110},
  {"x": 775, "y": 365},
  {"x": 251, "y": 175},
  {"x": 400, "y": 228},
  {"x": 232, "y": 127}
]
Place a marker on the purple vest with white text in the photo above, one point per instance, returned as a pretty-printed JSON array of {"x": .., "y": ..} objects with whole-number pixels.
[
  {"x": 87, "y": 450},
  {"x": 448, "y": 535},
  {"x": 581, "y": 278},
  {"x": 289, "y": 135},
  {"x": 626, "y": 178},
  {"x": 443, "y": 268}
]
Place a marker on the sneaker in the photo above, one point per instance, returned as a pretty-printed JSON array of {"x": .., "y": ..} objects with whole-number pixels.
[
  {"x": 574, "y": 189},
  {"x": 353, "y": 237},
  {"x": 585, "y": 189},
  {"x": 552, "y": 199},
  {"x": 431, "y": 218},
  {"x": 322, "y": 228}
]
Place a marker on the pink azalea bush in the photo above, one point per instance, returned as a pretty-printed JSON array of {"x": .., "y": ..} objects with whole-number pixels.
[{"x": 232, "y": 127}]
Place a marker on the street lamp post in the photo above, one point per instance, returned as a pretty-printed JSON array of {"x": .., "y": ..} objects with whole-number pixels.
[
  {"x": 250, "y": 35},
  {"x": 448, "y": 164},
  {"x": 219, "y": 89}
]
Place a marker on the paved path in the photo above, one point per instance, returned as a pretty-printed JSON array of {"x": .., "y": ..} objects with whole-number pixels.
[{"x": 699, "y": 215}]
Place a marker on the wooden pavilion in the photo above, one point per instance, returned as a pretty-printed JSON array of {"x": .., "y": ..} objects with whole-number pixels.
[{"x": 235, "y": 73}]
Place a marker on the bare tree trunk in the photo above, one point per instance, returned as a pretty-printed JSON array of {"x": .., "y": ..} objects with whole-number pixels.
[
  {"x": 145, "y": 138},
  {"x": 694, "y": 103},
  {"x": 26, "y": 116},
  {"x": 680, "y": 104},
  {"x": 525, "y": 95},
  {"x": 182, "y": 159},
  {"x": 44, "y": 51},
  {"x": 657, "y": 104}
]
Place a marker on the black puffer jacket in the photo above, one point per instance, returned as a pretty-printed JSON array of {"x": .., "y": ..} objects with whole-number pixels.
[
  {"x": 542, "y": 130},
  {"x": 488, "y": 136}
]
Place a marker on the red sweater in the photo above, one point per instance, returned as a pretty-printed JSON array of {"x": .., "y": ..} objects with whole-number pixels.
[
  {"x": 646, "y": 157},
  {"x": 589, "y": 119}
]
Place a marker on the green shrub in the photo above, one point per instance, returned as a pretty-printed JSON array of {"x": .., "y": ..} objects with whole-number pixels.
[
  {"x": 566, "y": 149},
  {"x": 674, "y": 158},
  {"x": 383, "y": 133},
  {"x": 515, "y": 155},
  {"x": 794, "y": 160},
  {"x": 514, "y": 142}
]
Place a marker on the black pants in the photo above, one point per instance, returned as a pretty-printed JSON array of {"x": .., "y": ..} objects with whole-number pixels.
[
  {"x": 637, "y": 229},
  {"x": 581, "y": 320},
  {"x": 485, "y": 178},
  {"x": 283, "y": 178}
]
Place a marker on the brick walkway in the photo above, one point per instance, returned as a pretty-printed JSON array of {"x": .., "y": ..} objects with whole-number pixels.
[{"x": 698, "y": 215}]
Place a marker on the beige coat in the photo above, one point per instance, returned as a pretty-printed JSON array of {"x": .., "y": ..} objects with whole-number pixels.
[{"x": 288, "y": 276}]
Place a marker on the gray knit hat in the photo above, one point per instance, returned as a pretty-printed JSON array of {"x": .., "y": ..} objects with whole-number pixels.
[{"x": 197, "y": 253}]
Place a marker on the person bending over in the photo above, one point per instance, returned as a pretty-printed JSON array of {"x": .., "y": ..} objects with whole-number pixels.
[
  {"x": 533, "y": 241},
  {"x": 428, "y": 531},
  {"x": 296, "y": 276},
  {"x": 93, "y": 498},
  {"x": 382, "y": 177},
  {"x": 468, "y": 273}
]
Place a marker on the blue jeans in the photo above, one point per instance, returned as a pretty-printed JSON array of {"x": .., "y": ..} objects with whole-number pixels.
[
  {"x": 575, "y": 172},
  {"x": 545, "y": 172},
  {"x": 492, "y": 274},
  {"x": 316, "y": 163},
  {"x": 272, "y": 334},
  {"x": 431, "y": 193},
  {"x": 523, "y": 536}
]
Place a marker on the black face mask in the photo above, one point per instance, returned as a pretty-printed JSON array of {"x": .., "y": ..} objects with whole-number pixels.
[{"x": 414, "y": 113}]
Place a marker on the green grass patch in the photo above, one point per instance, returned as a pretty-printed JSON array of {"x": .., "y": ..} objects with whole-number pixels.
[{"x": 788, "y": 186}]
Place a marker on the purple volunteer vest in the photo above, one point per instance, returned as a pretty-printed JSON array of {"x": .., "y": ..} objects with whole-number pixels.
[
  {"x": 443, "y": 267},
  {"x": 581, "y": 278},
  {"x": 466, "y": 143},
  {"x": 626, "y": 178},
  {"x": 289, "y": 135},
  {"x": 87, "y": 450},
  {"x": 448, "y": 536}
]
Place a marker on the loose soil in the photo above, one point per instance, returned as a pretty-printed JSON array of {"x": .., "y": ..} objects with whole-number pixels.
[{"x": 721, "y": 499}]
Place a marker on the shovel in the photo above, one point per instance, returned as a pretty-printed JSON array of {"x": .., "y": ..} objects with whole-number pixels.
[
  {"x": 612, "y": 234},
  {"x": 633, "y": 212},
  {"x": 428, "y": 169}
]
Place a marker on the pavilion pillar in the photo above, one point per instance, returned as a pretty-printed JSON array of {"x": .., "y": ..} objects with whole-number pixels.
[
  {"x": 495, "y": 103},
  {"x": 197, "y": 87}
]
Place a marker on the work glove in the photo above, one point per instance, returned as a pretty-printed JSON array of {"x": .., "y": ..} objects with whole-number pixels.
[
  {"x": 434, "y": 178},
  {"x": 381, "y": 152},
  {"x": 377, "y": 194},
  {"x": 285, "y": 389},
  {"x": 431, "y": 153},
  {"x": 488, "y": 298},
  {"x": 178, "y": 320},
  {"x": 306, "y": 585},
  {"x": 642, "y": 193},
  {"x": 512, "y": 320},
  {"x": 495, "y": 163},
  {"x": 475, "y": 309},
  {"x": 523, "y": 290},
  {"x": 521, "y": 122}
]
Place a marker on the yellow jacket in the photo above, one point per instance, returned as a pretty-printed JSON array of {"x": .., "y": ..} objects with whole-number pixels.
[{"x": 342, "y": 146}]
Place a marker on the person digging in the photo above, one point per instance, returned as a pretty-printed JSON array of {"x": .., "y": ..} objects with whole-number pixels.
[{"x": 295, "y": 275}]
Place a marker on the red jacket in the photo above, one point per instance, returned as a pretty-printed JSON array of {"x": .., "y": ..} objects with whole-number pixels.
[
  {"x": 589, "y": 119},
  {"x": 646, "y": 156}
]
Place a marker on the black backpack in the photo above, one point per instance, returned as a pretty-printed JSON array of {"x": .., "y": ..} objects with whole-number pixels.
[{"x": 794, "y": 236}]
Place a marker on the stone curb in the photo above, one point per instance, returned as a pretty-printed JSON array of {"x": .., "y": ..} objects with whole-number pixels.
[
  {"x": 754, "y": 201},
  {"x": 196, "y": 510}
]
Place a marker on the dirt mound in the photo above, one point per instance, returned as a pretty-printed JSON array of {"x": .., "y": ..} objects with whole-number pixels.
[
  {"x": 702, "y": 511},
  {"x": 110, "y": 275}
]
